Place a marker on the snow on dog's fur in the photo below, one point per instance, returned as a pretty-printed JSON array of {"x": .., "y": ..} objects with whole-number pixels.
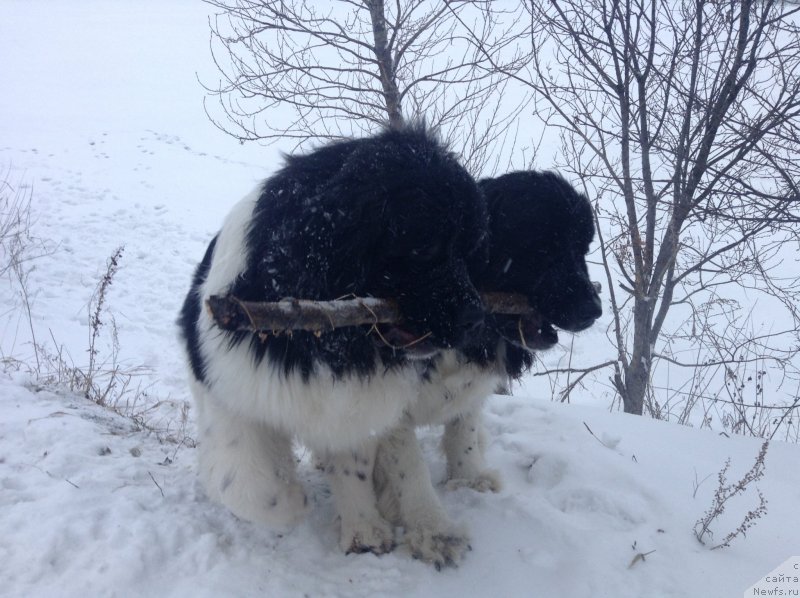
[
  {"x": 540, "y": 232},
  {"x": 391, "y": 216}
]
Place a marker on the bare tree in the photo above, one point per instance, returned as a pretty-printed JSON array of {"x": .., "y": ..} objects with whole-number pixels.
[
  {"x": 304, "y": 70},
  {"x": 693, "y": 162},
  {"x": 681, "y": 119}
]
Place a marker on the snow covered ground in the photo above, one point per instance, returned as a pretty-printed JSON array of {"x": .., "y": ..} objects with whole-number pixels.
[
  {"x": 92, "y": 508},
  {"x": 101, "y": 119}
]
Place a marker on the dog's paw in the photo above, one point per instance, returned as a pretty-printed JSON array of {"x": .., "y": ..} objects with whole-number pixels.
[
  {"x": 375, "y": 536},
  {"x": 487, "y": 480},
  {"x": 439, "y": 547}
]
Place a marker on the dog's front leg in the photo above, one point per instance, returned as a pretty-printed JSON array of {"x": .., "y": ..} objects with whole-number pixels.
[
  {"x": 362, "y": 527},
  {"x": 407, "y": 497}
]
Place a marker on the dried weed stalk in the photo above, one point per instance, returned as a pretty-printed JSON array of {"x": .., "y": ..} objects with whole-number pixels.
[{"x": 725, "y": 492}]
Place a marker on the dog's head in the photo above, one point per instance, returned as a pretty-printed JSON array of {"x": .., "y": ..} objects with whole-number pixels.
[
  {"x": 541, "y": 229},
  {"x": 429, "y": 219}
]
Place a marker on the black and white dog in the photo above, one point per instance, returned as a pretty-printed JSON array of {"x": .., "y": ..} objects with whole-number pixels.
[
  {"x": 540, "y": 232},
  {"x": 391, "y": 216}
]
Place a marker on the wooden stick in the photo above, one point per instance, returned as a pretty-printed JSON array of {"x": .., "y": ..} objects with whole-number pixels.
[{"x": 230, "y": 313}]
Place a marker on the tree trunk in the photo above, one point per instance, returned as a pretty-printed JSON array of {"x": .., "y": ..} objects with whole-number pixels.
[
  {"x": 385, "y": 63},
  {"x": 635, "y": 376}
]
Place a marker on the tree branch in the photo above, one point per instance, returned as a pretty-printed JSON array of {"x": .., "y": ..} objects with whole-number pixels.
[{"x": 231, "y": 313}]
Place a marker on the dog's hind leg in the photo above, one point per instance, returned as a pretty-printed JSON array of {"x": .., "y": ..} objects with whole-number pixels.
[
  {"x": 247, "y": 466},
  {"x": 464, "y": 444},
  {"x": 362, "y": 527}
]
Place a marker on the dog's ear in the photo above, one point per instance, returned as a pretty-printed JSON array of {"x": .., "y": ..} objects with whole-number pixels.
[
  {"x": 340, "y": 243},
  {"x": 341, "y": 237},
  {"x": 360, "y": 201}
]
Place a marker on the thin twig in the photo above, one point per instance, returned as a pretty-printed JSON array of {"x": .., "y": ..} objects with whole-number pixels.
[
  {"x": 595, "y": 437},
  {"x": 156, "y": 483},
  {"x": 640, "y": 557}
]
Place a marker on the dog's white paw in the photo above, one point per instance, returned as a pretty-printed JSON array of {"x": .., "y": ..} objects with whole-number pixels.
[
  {"x": 487, "y": 480},
  {"x": 365, "y": 535},
  {"x": 439, "y": 547}
]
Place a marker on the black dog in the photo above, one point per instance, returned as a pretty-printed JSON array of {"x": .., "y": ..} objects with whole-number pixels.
[
  {"x": 541, "y": 229},
  {"x": 391, "y": 216}
]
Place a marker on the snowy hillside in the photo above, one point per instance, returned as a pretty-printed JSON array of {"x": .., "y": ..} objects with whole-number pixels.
[
  {"x": 92, "y": 508},
  {"x": 101, "y": 122}
]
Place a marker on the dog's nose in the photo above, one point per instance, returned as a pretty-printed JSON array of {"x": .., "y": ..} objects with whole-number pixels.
[
  {"x": 470, "y": 318},
  {"x": 589, "y": 312}
]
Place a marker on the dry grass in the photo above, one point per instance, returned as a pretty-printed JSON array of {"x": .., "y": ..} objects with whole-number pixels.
[
  {"x": 104, "y": 380},
  {"x": 724, "y": 493}
]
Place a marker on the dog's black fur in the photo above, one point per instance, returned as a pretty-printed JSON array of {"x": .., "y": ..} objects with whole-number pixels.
[
  {"x": 541, "y": 229},
  {"x": 391, "y": 216}
]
